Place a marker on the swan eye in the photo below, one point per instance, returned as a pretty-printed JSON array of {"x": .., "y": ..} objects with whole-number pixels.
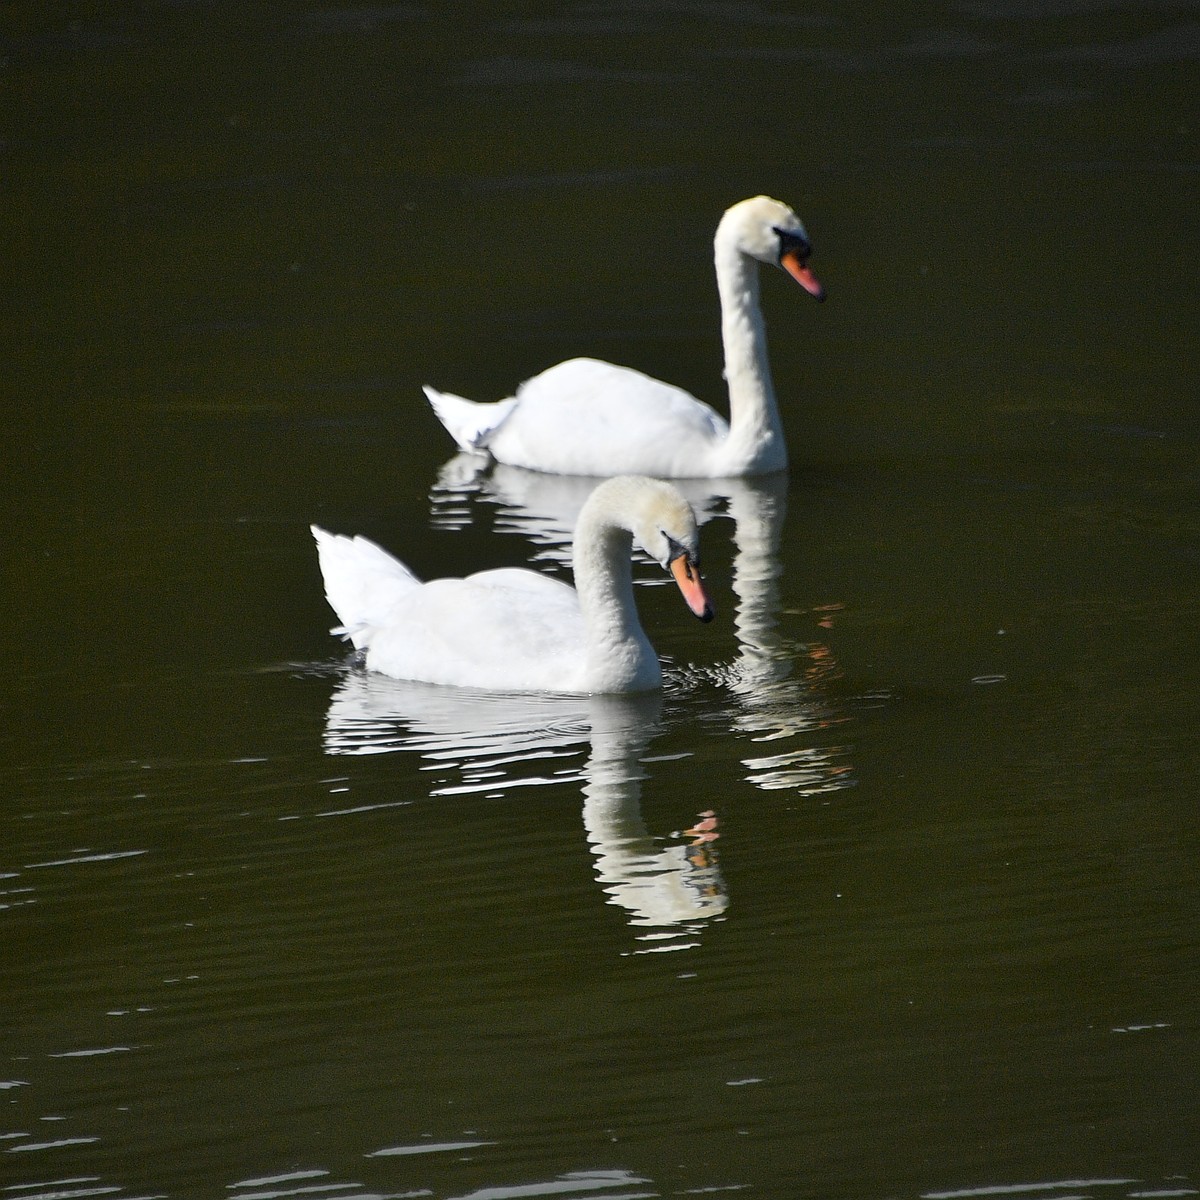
[
  {"x": 791, "y": 242},
  {"x": 675, "y": 550}
]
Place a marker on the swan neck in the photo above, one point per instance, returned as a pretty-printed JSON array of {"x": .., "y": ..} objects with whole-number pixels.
[
  {"x": 619, "y": 655},
  {"x": 754, "y": 425}
]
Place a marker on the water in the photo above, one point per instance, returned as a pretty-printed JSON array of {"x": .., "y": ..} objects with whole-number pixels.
[{"x": 269, "y": 927}]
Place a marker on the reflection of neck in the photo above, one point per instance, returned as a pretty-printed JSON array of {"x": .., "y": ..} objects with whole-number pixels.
[
  {"x": 755, "y": 433},
  {"x": 758, "y": 508},
  {"x": 621, "y": 729},
  {"x": 648, "y": 880}
]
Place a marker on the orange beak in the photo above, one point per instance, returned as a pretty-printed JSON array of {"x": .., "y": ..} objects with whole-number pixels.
[
  {"x": 798, "y": 269},
  {"x": 687, "y": 575}
]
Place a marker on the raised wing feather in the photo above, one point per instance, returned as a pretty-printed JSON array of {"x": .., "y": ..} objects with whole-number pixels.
[{"x": 363, "y": 582}]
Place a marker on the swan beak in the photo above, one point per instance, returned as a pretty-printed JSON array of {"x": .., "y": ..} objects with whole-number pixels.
[
  {"x": 687, "y": 575},
  {"x": 799, "y": 270}
]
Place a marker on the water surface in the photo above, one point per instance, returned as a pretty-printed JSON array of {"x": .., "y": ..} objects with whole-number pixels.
[{"x": 270, "y": 927}]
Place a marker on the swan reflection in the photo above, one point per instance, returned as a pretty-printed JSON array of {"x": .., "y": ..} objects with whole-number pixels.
[
  {"x": 541, "y": 508},
  {"x": 780, "y": 686},
  {"x": 490, "y": 743}
]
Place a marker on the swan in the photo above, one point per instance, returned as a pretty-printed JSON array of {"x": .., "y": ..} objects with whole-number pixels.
[
  {"x": 518, "y": 630},
  {"x": 586, "y": 417}
]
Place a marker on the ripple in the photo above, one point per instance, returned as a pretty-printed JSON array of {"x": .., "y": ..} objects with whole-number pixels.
[
  {"x": 574, "y": 1183},
  {"x": 86, "y": 857},
  {"x": 1018, "y": 1189},
  {"x": 63, "y": 1189},
  {"x": 57, "y": 1144},
  {"x": 427, "y": 1148}
]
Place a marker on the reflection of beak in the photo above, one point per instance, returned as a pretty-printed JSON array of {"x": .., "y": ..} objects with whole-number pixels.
[
  {"x": 687, "y": 575},
  {"x": 704, "y": 830},
  {"x": 798, "y": 269}
]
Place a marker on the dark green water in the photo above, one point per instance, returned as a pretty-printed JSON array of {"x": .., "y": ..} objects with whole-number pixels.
[{"x": 270, "y": 928}]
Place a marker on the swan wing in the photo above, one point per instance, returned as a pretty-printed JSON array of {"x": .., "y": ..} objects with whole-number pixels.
[{"x": 509, "y": 629}]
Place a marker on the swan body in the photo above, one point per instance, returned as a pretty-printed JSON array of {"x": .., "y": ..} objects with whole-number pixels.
[
  {"x": 586, "y": 417},
  {"x": 518, "y": 630}
]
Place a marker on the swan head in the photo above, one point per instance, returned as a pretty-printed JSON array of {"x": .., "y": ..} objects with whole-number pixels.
[
  {"x": 663, "y": 524},
  {"x": 770, "y": 231}
]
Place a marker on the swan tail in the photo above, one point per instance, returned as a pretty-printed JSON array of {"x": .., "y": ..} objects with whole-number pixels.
[
  {"x": 469, "y": 423},
  {"x": 363, "y": 583}
]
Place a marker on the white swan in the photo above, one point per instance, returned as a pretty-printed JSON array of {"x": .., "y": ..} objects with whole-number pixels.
[
  {"x": 585, "y": 417},
  {"x": 517, "y": 630}
]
